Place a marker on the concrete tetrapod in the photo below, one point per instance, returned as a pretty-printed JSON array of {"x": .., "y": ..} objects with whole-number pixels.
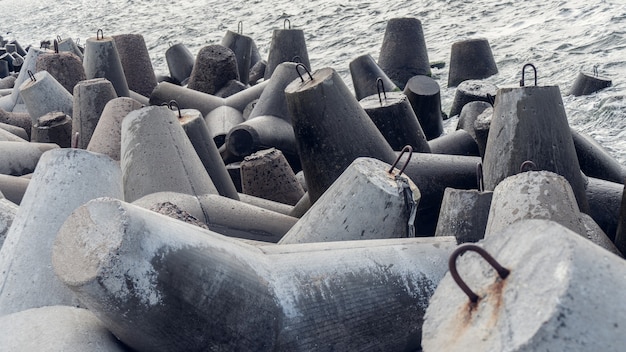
[
  {"x": 107, "y": 135},
  {"x": 425, "y": 97},
  {"x": 179, "y": 62},
  {"x": 66, "y": 68},
  {"x": 595, "y": 161},
  {"x": 331, "y": 129},
  {"x": 559, "y": 295},
  {"x": 241, "y": 46},
  {"x": 43, "y": 94},
  {"x": 56, "y": 328},
  {"x": 102, "y": 60},
  {"x": 604, "y": 202},
  {"x": 472, "y": 90},
  {"x": 470, "y": 59},
  {"x": 63, "y": 180},
  {"x": 13, "y": 187},
  {"x": 382, "y": 209},
  {"x": 464, "y": 214},
  {"x": 157, "y": 156},
  {"x": 15, "y": 130},
  {"x": 163, "y": 285},
  {"x": 529, "y": 123},
  {"x": 287, "y": 45},
  {"x": 30, "y": 63}
]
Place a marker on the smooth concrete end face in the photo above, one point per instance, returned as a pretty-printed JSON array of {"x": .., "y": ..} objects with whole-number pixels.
[{"x": 559, "y": 296}]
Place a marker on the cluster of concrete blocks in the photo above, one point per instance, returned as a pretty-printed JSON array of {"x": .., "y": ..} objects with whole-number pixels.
[{"x": 258, "y": 205}]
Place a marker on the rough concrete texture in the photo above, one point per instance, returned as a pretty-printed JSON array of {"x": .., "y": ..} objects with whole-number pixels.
[
  {"x": 267, "y": 174},
  {"x": 107, "y": 135},
  {"x": 288, "y": 45},
  {"x": 163, "y": 285},
  {"x": 220, "y": 121},
  {"x": 533, "y": 195},
  {"x": 66, "y": 68},
  {"x": 464, "y": 214},
  {"x": 559, "y": 296},
  {"x": 63, "y": 180},
  {"x": 56, "y": 329},
  {"x": 53, "y": 127},
  {"x": 157, "y": 156},
  {"x": 18, "y": 131},
  {"x": 262, "y": 132},
  {"x": 272, "y": 101},
  {"x": 215, "y": 65},
  {"x": 30, "y": 63},
  {"x": 90, "y": 98},
  {"x": 44, "y": 95},
  {"x": 597, "y": 236},
  {"x": 13, "y": 187},
  {"x": 6, "y": 136},
  {"x": 136, "y": 63},
  {"x": 21, "y": 120},
  {"x": 8, "y": 210},
  {"x": 365, "y": 73},
  {"x": 471, "y": 59},
  {"x": 102, "y": 60},
  {"x": 425, "y": 97},
  {"x": 472, "y": 90},
  {"x": 379, "y": 211},
  {"x": 18, "y": 159},
  {"x": 241, "y": 45}
]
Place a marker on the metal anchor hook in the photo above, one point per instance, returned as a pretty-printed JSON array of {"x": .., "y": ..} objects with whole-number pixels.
[
  {"x": 240, "y": 27},
  {"x": 74, "y": 143},
  {"x": 31, "y": 75},
  {"x": 521, "y": 82},
  {"x": 479, "y": 177},
  {"x": 407, "y": 148},
  {"x": 380, "y": 85},
  {"x": 99, "y": 34},
  {"x": 306, "y": 69},
  {"x": 527, "y": 166},
  {"x": 285, "y": 22},
  {"x": 595, "y": 70},
  {"x": 172, "y": 104},
  {"x": 59, "y": 38},
  {"x": 502, "y": 271},
  {"x": 297, "y": 59}
]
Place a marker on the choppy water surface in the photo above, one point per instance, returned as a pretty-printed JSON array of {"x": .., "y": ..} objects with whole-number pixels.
[{"x": 559, "y": 37}]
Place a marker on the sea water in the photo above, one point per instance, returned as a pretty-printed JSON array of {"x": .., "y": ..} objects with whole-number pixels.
[{"x": 560, "y": 38}]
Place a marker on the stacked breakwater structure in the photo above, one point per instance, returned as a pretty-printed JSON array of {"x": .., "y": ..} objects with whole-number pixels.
[{"x": 253, "y": 202}]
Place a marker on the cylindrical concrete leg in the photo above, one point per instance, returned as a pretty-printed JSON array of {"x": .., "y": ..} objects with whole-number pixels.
[
  {"x": 90, "y": 98},
  {"x": 403, "y": 53},
  {"x": 15, "y": 130},
  {"x": 604, "y": 199},
  {"x": 464, "y": 214},
  {"x": 43, "y": 94},
  {"x": 595, "y": 161},
  {"x": 425, "y": 98},
  {"x": 21, "y": 158},
  {"x": 287, "y": 45},
  {"x": 383, "y": 209},
  {"x": 559, "y": 295},
  {"x": 13, "y": 187},
  {"x": 587, "y": 83},
  {"x": 468, "y": 115},
  {"x": 157, "y": 156},
  {"x": 241, "y": 100},
  {"x": 257, "y": 72},
  {"x": 272, "y": 101},
  {"x": 529, "y": 123},
  {"x": 620, "y": 235},
  {"x": 198, "y": 134},
  {"x": 259, "y": 133},
  {"x": 179, "y": 62},
  {"x": 267, "y": 174},
  {"x": 471, "y": 59},
  {"x": 365, "y": 74},
  {"x": 135, "y": 274},
  {"x": 63, "y": 180},
  {"x": 331, "y": 129},
  {"x": 597, "y": 236},
  {"x": 56, "y": 328},
  {"x": 482, "y": 125},
  {"x": 472, "y": 90},
  {"x": 103, "y": 61},
  {"x": 21, "y": 120},
  {"x": 136, "y": 63},
  {"x": 458, "y": 142},
  {"x": 395, "y": 119},
  {"x": 69, "y": 45},
  {"x": 7, "y": 136},
  {"x": 8, "y": 210},
  {"x": 66, "y": 68},
  {"x": 186, "y": 98},
  {"x": 241, "y": 46},
  {"x": 53, "y": 127},
  {"x": 220, "y": 121},
  {"x": 107, "y": 135},
  {"x": 30, "y": 63},
  {"x": 215, "y": 65}
]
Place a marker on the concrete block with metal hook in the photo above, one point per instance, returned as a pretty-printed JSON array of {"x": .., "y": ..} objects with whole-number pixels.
[
  {"x": 136, "y": 274},
  {"x": 385, "y": 207},
  {"x": 66, "y": 68},
  {"x": 42, "y": 94},
  {"x": 287, "y": 45},
  {"x": 241, "y": 45},
  {"x": 365, "y": 73},
  {"x": 102, "y": 60},
  {"x": 472, "y": 90},
  {"x": 559, "y": 295}
]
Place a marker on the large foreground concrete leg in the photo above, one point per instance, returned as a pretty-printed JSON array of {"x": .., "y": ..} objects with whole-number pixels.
[{"x": 164, "y": 285}]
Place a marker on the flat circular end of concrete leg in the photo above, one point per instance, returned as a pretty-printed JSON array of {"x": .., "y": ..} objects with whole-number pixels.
[
  {"x": 241, "y": 141},
  {"x": 86, "y": 239}
]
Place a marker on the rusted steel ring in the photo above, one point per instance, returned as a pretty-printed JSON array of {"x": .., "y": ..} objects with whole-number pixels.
[
  {"x": 285, "y": 22},
  {"x": 31, "y": 75},
  {"x": 297, "y": 59},
  {"x": 502, "y": 271},
  {"x": 174, "y": 104},
  {"x": 306, "y": 69},
  {"x": 527, "y": 166},
  {"x": 407, "y": 148},
  {"x": 521, "y": 82},
  {"x": 380, "y": 85},
  {"x": 99, "y": 34}
]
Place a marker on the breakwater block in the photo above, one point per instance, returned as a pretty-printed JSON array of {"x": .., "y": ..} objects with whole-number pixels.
[
  {"x": 136, "y": 274},
  {"x": 545, "y": 266}
]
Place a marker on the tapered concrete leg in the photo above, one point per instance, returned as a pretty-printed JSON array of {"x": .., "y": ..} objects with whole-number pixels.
[
  {"x": 43, "y": 94},
  {"x": 287, "y": 45},
  {"x": 136, "y": 63},
  {"x": 162, "y": 285},
  {"x": 102, "y": 60},
  {"x": 365, "y": 74},
  {"x": 66, "y": 68},
  {"x": 13, "y": 187},
  {"x": 63, "y": 180},
  {"x": 464, "y": 214},
  {"x": 8, "y": 210},
  {"x": 21, "y": 158},
  {"x": 56, "y": 328},
  {"x": 53, "y": 127},
  {"x": 22, "y": 120},
  {"x": 90, "y": 98}
]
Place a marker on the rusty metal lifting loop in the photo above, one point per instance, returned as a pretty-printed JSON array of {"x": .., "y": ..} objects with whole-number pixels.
[
  {"x": 74, "y": 143},
  {"x": 479, "y": 177},
  {"x": 240, "y": 27},
  {"x": 407, "y": 148},
  {"x": 595, "y": 70},
  {"x": 306, "y": 69},
  {"x": 297, "y": 59},
  {"x": 521, "y": 82},
  {"x": 59, "y": 38},
  {"x": 527, "y": 165},
  {"x": 77, "y": 41},
  {"x": 56, "y": 46},
  {"x": 380, "y": 85},
  {"x": 502, "y": 271},
  {"x": 99, "y": 34},
  {"x": 31, "y": 75},
  {"x": 284, "y": 22},
  {"x": 172, "y": 104}
]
